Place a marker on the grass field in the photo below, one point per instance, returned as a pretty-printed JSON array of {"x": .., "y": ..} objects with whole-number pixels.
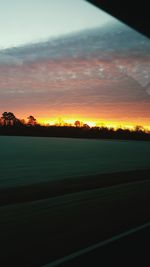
[{"x": 28, "y": 160}]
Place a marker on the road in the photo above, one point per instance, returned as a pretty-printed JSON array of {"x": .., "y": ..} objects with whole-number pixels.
[
  {"x": 129, "y": 247},
  {"x": 35, "y": 233}
]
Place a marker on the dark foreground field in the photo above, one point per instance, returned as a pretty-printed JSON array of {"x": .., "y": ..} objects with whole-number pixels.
[{"x": 44, "y": 222}]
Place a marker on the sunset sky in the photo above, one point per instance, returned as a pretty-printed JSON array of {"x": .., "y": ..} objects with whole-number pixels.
[{"x": 67, "y": 60}]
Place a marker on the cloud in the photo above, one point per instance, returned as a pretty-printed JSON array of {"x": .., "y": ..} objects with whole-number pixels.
[{"x": 69, "y": 74}]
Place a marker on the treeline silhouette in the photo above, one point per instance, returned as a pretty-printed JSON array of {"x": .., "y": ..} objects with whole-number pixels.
[{"x": 10, "y": 125}]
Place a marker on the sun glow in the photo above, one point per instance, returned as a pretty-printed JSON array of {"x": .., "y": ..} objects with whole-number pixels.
[
  {"x": 63, "y": 121},
  {"x": 66, "y": 122}
]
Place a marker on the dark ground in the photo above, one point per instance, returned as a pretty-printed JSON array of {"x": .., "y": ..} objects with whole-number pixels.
[
  {"x": 44, "y": 190},
  {"x": 75, "y": 132}
]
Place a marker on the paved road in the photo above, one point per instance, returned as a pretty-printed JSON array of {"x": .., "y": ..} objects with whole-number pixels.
[
  {"x": 129, "y": 247},
  {"x": 35, "y": 233}
]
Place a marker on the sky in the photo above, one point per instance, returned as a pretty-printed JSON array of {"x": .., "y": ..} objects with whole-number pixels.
[
  {"x": 67, "y": 60},
  {"x": 30, "y": 21}
]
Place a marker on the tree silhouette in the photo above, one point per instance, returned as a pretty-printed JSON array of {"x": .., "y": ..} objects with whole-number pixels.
[
  {"x": 139, "y": 128},
  {"x": 77, "y": 123},
  {"x": 31, "y": 121},
  {"x": 11, "y": 118},
  {"x": 4, "y": 118},
  {"x": 85, "y": 125},
  {"x": 8, "y": 118}
]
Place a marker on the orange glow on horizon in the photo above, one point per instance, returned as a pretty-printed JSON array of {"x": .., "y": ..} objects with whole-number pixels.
[{"x": 64, "y": 121}]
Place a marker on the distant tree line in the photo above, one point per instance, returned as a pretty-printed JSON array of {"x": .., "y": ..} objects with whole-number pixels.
[{"x": 10, "y": 125}]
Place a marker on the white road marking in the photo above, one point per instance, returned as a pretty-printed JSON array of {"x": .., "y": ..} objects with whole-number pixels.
[{"x": 97, "y": 245}]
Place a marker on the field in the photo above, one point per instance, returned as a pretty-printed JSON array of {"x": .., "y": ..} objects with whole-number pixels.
[
  {"x": 61, "y": 195},
  {"x": 29, "y": 160}
]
